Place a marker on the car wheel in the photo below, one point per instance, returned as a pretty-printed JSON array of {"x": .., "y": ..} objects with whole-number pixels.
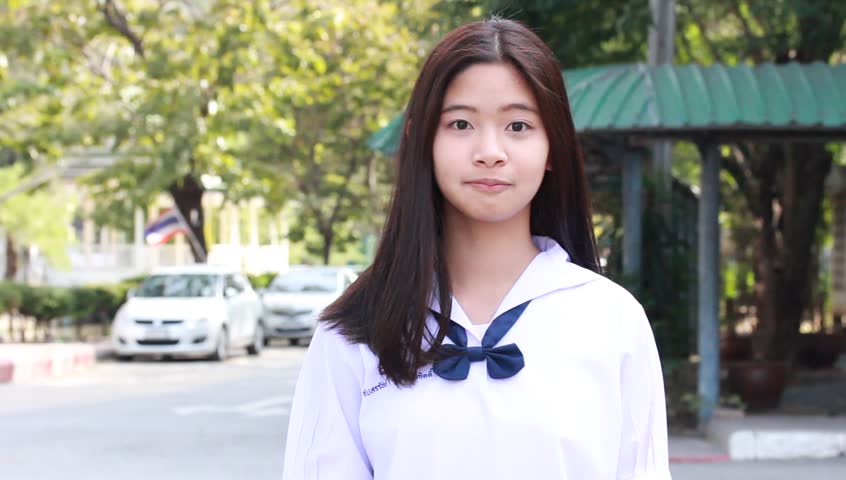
[
  {"x": 294, "y": 341},
  {"x": 266, "y": 341},
  {"x": 258, "y": 341},
  {"x": 221, "y": 351},
  {"x": 125, "y": 358}
]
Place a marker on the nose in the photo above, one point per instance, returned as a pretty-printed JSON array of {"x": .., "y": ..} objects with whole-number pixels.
[{"x": 489, "y": 151}]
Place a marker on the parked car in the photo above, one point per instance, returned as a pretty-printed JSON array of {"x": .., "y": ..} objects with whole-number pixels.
[
  {"x": 293, "y": 300},
  {"x": 197, "y": 310}
]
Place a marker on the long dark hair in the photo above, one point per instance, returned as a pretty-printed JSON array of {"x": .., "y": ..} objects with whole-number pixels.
[{"x": 387, "y": 307}]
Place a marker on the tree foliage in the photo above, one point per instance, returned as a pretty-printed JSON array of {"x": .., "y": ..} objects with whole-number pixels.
[
  {"x": 273, "y": 99},
  {"x": 39, "y": 217}
]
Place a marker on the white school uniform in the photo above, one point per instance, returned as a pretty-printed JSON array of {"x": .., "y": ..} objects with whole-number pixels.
[{"x": 588, "y": 405}]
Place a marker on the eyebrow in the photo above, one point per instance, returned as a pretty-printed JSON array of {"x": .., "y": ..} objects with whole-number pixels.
[{"x": 502, "y": 109}]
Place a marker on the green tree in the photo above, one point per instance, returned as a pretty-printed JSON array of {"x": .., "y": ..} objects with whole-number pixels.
[
  {"x": 581, "y": 33},
  {"x": 39, "y": 217},
  {"x": 782, "y": 184},
  {"x": 307, "y": 120},
  {"x": 274, "y": 100}
]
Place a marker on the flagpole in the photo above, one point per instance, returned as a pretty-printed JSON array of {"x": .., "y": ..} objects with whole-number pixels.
[{"x": 191, "y": 237}]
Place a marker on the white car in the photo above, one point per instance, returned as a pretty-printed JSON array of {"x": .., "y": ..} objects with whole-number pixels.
[
  {"x": 293, "y": 300},
  {"x": 197, "y": 310}
]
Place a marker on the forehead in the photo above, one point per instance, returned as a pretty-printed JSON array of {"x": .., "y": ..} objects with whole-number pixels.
[{"x": 489, "y": 85}]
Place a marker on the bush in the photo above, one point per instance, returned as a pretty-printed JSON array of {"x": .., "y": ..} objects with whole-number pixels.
[
  {"x": 83, "y": 302},
  {"x": 96, "y": 304},
  {"x": 10, "y": 296},
  {"x": 91, "y": 304}
]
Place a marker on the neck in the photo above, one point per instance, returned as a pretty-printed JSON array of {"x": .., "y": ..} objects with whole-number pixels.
[{"x": 479, "y": 253}]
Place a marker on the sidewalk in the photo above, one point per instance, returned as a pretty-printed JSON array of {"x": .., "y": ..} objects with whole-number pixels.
[
  {"x": 763, "y": 437},
  {"x": 692, "y": 449},
  {"x": 21, "y": 362},
  {"x": 779, "y": 437}
]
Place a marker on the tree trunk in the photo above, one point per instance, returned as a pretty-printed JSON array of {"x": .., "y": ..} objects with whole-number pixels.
[
  {"x": 11, "y": 259},
  {"x": 10, "y": 315},
  {"x": 188, "y": 196},
  {"x": 328, "y": 236},
  {"x": 788, "y": 216}
]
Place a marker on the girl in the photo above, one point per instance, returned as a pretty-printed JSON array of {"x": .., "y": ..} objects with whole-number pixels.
[{"x": 482, "y": 342}]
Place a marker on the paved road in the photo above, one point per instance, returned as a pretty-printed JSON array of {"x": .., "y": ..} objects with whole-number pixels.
[
  {"x": 152, "y": 420},
  {"x": 793, "y": 470},
  {"x": 186, "y": 420}
]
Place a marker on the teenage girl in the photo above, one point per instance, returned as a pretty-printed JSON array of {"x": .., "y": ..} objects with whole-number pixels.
[{"x": 483, "y": 343}]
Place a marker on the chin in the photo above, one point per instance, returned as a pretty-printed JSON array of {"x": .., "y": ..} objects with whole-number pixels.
[{"x": 489, "y": 216}]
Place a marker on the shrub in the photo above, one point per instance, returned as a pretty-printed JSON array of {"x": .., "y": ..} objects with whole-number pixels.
[{"x": 10, "y": 296}]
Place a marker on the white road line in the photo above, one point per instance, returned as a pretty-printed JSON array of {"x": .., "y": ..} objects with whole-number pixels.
[{"x": 273, "y": 406}]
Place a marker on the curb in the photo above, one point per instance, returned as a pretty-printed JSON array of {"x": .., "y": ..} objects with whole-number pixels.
[
  {"x": 702, "y": 459},
  {"x": 780, "y": 437},
  {"x": 35, "y": 361},
  {"x": 7, "y": 370}
]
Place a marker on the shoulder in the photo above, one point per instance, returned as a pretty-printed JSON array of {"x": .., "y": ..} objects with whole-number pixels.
[
  {"x": 608, "y": 305},
  {"x": 608, "y": 293},
  {"x": 329, "y": 345}
]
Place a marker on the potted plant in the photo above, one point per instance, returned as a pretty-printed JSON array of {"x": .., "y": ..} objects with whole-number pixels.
[{"x": 760, "y": 381}]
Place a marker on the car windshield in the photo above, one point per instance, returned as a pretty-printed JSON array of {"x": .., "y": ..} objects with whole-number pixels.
[
  {"x": 178, "y": 285},
  {"x": 305, "y": 281}
]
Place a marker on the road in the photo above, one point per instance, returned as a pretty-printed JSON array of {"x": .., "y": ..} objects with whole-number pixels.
[{"x": 154, "y": 420}]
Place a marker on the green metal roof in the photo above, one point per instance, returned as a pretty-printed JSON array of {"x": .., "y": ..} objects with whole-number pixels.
[{"x": 790, "y": 100}]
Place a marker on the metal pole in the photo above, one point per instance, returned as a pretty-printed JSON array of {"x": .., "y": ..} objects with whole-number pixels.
[
  {"x": 661, "y": 50},
  {"x": 662, "y": 33},
  {"x": 709, "y": 282},
  {"x": 632, "y": 213}
]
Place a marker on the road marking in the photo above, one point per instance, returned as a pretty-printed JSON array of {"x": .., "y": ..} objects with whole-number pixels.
[{"x": 268, "y": 407}]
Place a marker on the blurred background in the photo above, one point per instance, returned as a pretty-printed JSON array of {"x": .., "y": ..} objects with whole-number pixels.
[{"x": 185, "y": 184}]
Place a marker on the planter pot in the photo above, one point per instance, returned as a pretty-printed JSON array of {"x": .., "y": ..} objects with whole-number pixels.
[
  {"x": 760, "y": 384},
  {"x": 818, "y": 350},
  {"x": 734, "y": 348}
]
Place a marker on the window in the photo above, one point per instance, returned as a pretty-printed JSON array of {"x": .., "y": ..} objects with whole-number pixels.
[
  {"x": 178, "y": 285},
  {"x": 232, "y": 282},
  {"x": 306, "y": 281}
]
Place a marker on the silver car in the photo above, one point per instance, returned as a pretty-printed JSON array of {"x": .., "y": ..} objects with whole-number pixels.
[{"x": 293, "y": 300}]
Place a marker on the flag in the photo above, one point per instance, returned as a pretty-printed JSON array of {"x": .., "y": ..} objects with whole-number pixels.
[{"x": 162, "y": 229}]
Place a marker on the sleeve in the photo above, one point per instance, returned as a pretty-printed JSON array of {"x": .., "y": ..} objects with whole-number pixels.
[
  {"x": 324, "y": 441},
  {"x": 643, "y": 445}
]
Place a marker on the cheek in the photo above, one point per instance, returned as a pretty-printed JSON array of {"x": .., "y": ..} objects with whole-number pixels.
[
  {"x": 533, "y": 160},
  {"x": 444, "y": 162}
]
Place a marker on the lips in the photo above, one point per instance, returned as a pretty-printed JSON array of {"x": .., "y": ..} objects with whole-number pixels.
[{"x": 489, "y": 184}]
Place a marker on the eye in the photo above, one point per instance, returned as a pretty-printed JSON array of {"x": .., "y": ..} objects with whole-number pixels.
[
  {"x": 460, "y": 125},
  {"x": 519, "y": 126}
]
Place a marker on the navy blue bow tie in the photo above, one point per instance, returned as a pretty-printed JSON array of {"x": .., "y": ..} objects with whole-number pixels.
[{"x": 503, "y": 361}]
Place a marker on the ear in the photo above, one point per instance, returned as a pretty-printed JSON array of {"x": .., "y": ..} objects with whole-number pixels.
[
  {"x": 407, "y": 128},
  {"x": 548, "y": 166}
]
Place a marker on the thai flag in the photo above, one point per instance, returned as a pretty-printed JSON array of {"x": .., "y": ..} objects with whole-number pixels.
[{"x": 162, "y": 229}]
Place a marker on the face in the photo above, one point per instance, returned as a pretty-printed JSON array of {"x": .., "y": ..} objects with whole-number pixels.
[{"x": 490, "y": 150}]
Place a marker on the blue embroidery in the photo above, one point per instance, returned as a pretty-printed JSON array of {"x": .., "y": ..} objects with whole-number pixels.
[
  {"x": 384, "y": 383},
  {"x": 375, "y": 388}
]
